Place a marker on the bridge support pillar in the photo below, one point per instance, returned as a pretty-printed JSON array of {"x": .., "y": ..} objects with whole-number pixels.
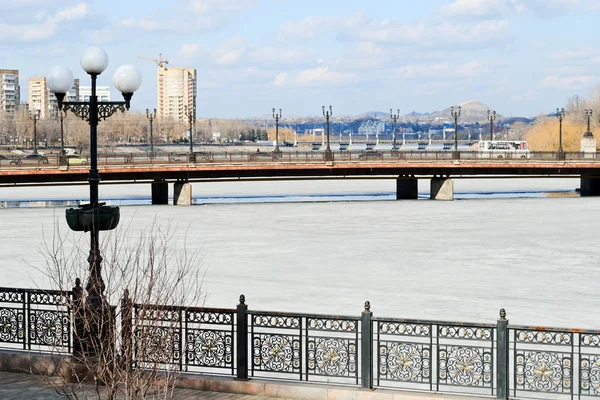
[
  {"x": 182, "y": 194},
  {"x": 160, "y": 192},
  {"x": 442, "y": 189},
  {"x": 407, "y": 188},
  {"x": 590, "y": 186}
]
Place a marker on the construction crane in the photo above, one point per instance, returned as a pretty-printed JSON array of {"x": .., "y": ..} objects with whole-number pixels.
[{"x": 160, "y": 61}]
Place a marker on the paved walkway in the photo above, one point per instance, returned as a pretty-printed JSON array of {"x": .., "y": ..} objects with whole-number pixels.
[{"x": 14, "y": 386}]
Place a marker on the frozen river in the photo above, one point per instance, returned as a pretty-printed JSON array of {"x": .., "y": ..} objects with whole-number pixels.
[{"x": 533, "y": 254}]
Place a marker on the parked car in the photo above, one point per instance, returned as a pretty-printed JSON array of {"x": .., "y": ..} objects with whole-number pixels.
[
  {"x": 36, "y": 156},
  {"x": 370, "y": 155},
  {"x": 12, "y": 161},
  {"x": 74, "y": 159}
]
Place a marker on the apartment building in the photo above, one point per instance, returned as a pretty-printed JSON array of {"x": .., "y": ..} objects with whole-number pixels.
[
  {"x": 10, "y": 91},
  {"x": 176, "y": 89},
  {"x": 40, "y": 98},
  {"x": 102, "y": 93}
]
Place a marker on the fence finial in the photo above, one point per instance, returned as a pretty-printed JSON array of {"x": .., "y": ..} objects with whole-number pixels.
[
  {"x": 502, "y": 313},
  {"x": 242, "y": 299},
  {"x": 367, "y": 305}
]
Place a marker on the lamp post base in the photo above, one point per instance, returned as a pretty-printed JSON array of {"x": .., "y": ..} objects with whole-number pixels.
[
  {"x": 329, "y": 155},
  {"x": 561, "y": 155},
  {"x": 456, "y": 155}
]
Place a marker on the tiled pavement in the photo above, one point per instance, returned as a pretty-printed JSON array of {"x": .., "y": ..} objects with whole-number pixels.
[{"x": 14, "y": 386}]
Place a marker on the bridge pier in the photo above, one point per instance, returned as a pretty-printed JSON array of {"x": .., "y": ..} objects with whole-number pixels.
[
  {"x": 442, "y": 189},
  {"x": 182, "y": 193},
  {"x": 160, "y": 192},
  {"x": 590, "y": 186},
  {"x": 407, "y": 188}
]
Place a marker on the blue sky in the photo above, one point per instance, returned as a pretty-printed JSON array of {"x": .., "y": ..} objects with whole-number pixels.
[{"x": 521, "y": 57}]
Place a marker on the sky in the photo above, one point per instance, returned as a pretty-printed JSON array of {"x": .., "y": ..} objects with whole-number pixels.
[{"x": 520, "y": 57}]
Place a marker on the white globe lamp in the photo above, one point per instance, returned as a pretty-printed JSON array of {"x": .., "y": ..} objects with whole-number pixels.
[{"x": 94, "y": 60}]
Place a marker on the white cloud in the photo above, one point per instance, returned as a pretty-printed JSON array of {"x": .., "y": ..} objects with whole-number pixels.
[
  {"x": 26, "y": 32},
  {"x": 189, "y": 49},
  {"x": 422, "y": 34},
  {"x": 238, "y": 50},
  {"x": 568, "y": 82},
  {"x": 79, "y": 11},
  {"x": 471, "y": 69},
  {"x": 481, "y": 8},
  {"x": 220, "y": 6},
  {"x": 280, "y": 78},
  {"x": 312, "y": 27},
  {"x": 323, "y": 76}
]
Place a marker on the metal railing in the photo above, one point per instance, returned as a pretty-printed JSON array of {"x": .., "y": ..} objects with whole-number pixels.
[
  {"x": 32, "y": 319},
  {"x": 236, "y": 157},
  {"x": 393, "y": 353}
]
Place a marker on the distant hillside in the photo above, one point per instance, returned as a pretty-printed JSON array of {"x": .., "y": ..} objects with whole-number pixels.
[{"x": 471, "y": 111}]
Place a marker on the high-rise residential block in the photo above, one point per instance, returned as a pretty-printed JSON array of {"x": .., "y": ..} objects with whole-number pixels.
[
  {"x": 73, "y": 94},
  {"x": 102, "y": 93},
  {"x": 40, "y": 98},
  {"x": 176, "y": 89},
  {"x": 10, "y": 91}
]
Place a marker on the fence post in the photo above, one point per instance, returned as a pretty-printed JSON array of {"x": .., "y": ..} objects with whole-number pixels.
[
  {"x": 127, "y": 330},
  {"x": 78, "y": 318},
  {"x": 366, "y": 353},
  {"x": 502, "y": 365},
  {"x": 242, "y": 339}
]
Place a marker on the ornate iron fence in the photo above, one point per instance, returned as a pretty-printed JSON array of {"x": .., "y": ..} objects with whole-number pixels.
[
  {"x": 36, "y": 319},
  {"x": 184, "y": 338},
  {"x": 554, "y": 362},
  {"x": 304, "y": 346},
  {"x": 433, "y": 355},
  {"x": 471, "y": 358}
]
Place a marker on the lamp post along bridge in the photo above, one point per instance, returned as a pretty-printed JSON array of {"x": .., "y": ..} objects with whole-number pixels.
[
  {"x": 277, "y": 117},
  {"x": 151, "y": 117},
  {"x": 328, "y": 152},
  {"x": 35, "y": 117},
  {"x": 491, "y": 117},
  {"x": 395, "y": 119},
  {"x": 455, "y": 114}
]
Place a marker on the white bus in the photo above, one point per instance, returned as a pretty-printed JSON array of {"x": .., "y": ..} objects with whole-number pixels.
[{"x": 503, "y": 149}]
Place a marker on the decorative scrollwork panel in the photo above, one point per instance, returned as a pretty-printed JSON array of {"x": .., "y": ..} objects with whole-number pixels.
[
  {"x": 276, "y": 321},
  {"x": 465, "y": 366},
  {"x": 589, "y": 371},
  {"x": 49, "y": 298},
  {"x": 543, "y": 371},
  {"x": 157, "y": 314},
  {"x": 49, "y": 328},
  {"x": 158, "y": 344},
  {"x": 276, "y": 353},
  {"x": 332, "y": 325},
  {"x": 543, "y": 337},
  {"x": 209, "y": 317},
  {"x": 405, "y": 362},
  {"x": 11, "y": 296},
  {"x": 404, "y": 329},
  {"x": 465, "y": 332},
  {"x": 12, "y": 325},
  {"x": 590, "y": 340},
  {"x": 332, "y": 356},
  {"x": 209, "y": 348}
]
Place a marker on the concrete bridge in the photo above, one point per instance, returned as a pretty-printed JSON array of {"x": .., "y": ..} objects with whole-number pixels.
[{"x": 406, "y": 168}]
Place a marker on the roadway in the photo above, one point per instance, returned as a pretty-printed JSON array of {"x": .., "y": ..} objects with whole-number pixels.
[{"x": 310, "y": 164}]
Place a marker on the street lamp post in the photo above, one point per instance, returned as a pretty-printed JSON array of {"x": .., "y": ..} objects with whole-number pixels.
[
  {"x": 394, "y": 118},
  {"x": 35, "y": 117},
  {"x": 151, "y": 117},
  {"x": 127, "y": 80},
  {"x": 277, "y": 116},
  {"x": 455, "y": 114},
  {"x": 588, "y": 114},
  {"x": 560, "y": 114},
  {"x": 491, "y": 117},
  {"x": 190, "y": 115},
  {"x": 328, "y": 152},
  {"x": 61, "y": 116}
]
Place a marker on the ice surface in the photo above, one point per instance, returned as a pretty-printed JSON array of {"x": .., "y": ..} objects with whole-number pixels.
[{"x": 462, "y": 260}]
